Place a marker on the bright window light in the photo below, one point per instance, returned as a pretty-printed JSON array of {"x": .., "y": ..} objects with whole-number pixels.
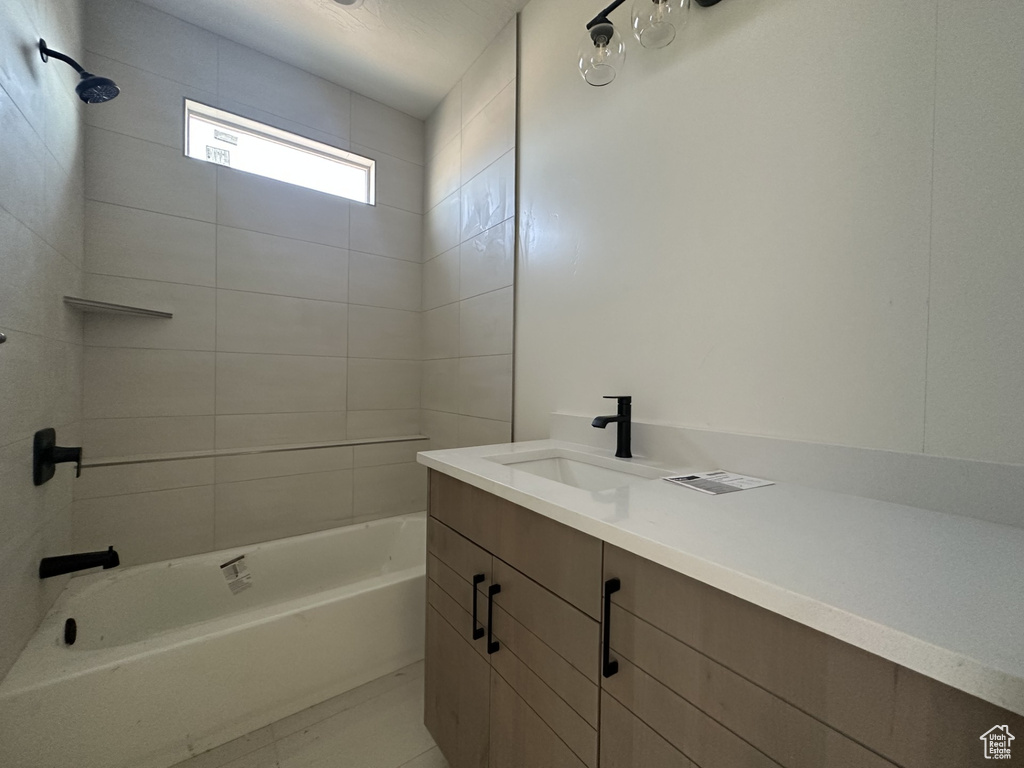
[{"x": 236, "y": 142}]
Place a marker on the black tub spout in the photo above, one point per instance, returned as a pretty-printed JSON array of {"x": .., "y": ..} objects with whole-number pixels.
[{"x": 56, "y": 566}]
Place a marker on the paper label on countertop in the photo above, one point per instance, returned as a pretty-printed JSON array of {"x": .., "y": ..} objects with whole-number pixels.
[
  {"x": 718, "y": 482},
  {"x": 237, "y": 575}
]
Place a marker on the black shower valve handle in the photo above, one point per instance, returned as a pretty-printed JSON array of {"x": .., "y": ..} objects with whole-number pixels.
[{"x": 62, "y": 455}]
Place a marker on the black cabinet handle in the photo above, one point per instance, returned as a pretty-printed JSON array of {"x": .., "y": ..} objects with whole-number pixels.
[
  {"x": 608, "y": 665},
  {"x": 492, "y": 644},
  {"x": 478, "y": 632}
]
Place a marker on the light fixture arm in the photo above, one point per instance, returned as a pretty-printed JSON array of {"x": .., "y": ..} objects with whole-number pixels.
[
  {"x": 46, "y": 54},
  {"x": 602, "y": 17}
]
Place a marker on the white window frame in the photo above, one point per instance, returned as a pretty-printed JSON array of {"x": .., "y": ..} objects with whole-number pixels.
[{"x": 233, "y": 122}]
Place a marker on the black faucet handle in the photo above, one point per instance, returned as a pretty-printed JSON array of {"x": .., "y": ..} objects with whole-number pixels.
[
  {"x": 620, "y": 398},
  {"x": 61, "y": 455}
]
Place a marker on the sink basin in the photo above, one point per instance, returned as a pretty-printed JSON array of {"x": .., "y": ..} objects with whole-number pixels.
[{"x": 578, "y": 469}]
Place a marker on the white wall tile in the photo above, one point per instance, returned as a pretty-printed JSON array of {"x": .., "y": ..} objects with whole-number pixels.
[
  {"x": 442, "y": 226},
  {"x": 474, "y": 431},
  {"x": 192, "y": 326},
  {"x": 144, "y": 37},
  {"x": 490, "y": 134},
  {"x": 394, "y": 489},
  {"x": 97, "y": 482},
  {"x": 151, "y": 246},
  {"x": 442, "y": 174},
  {"x": 441, "y": 280},
  {"x": 275, "y": 507},
  {"x": 399, "y": 183},
  {"x": 279, "y": 383},
  {"x": 383, "y": 384},
  {"x": 375, "y": 455},
  {"x": 489, "y": 197},
  {"x": 253, "y": 261},
  {"x": 390, "y": 423},
  {"x": 444, "y": 123},
  {"x": 122, "y": 383},
  {"x": 153, "y": 107},
  {"x": 380, "y": 281},
  {"x": 40, "y": 382},
  {"x": 244, "y": 75},
  {"x": 441, "y": 385},
  {"x": 260, "y": 322},
  {"x": 254, "y": 430},
  {"x": 234, "y": 469},
  {"x": 441, "y": 332},
  {"x": 383, "y": 333},
  {"x": 146, "y": 527},
  {"x": 380, "y": 127},
  {"x": 485, "y": 324},
  {"x": 487, "y": 261},
  {"x": 21, "y": 75},
  {"x": 386, "y": 231},
  {"x": 485, "y": 387},
  {"x": 490, "y": 73},
  {"x": 64, "y": 208},
  {"x": 442, "y": 428},
  {"x": 22, "y": 152},
  {"x": 140, "y": 174},
  {"x": 246, "y": 201},
  {"x": 142, "y": 436}
]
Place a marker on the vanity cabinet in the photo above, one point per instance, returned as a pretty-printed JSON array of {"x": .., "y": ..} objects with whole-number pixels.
[
  {"x": 518, "y": 687},
  {"x": 698, "y": 677}
]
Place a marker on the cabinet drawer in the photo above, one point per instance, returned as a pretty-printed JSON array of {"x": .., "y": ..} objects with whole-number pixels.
[
  {"x": 519, "y": 737},
  {"x": 450, "y": 609},
  {"x": 567, "y": 631},
  {"x": 456, "y": 695},
  {"x": 457, "y": 552},
  {"x": 564, "y": 560},
  {"x": 790, "y": 737},
  {"x": 628, "y": 742},
  {"x": 911, "y": 720}
]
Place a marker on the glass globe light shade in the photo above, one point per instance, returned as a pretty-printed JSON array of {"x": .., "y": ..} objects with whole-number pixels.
[
  {"x": 602, "y": 54},
  {"x": 655, "y": 22}
]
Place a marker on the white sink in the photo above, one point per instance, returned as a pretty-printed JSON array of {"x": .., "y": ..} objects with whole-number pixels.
[{"x": 578, "y": 469}]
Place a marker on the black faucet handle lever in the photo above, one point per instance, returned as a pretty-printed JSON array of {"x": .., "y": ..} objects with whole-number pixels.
[{"x": 626, "y": 398}]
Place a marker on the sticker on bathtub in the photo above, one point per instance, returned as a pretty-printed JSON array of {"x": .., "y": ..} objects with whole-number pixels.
[{"x": 237, "y": 575}]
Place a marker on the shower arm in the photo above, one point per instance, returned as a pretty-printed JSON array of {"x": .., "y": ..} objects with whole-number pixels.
[{"x": 46, "y": 54}]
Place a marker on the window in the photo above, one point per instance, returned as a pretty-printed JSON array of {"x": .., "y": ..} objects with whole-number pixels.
[{"x": 237, "y": 142}]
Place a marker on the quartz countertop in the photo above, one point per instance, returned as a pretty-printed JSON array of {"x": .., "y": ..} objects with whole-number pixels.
[{"x": 940, "y": 594}]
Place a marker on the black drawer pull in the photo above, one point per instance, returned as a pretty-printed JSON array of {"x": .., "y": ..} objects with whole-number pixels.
[
  {"x": 492, "y": 644},
  {"x": 478, "y": 632},
  {"x": 608, "y": 665}
]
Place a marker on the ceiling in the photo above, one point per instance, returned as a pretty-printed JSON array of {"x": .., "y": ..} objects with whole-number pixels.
[{"x": 405, "y": 53}]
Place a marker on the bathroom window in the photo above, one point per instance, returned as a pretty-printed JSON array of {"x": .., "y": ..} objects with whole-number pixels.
[{"x": 225, "y": 139}]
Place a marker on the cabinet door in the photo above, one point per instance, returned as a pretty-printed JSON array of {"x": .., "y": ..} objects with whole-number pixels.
[
  {"x": 519, "y": 737},
  {"x": 456, "y": 695}
]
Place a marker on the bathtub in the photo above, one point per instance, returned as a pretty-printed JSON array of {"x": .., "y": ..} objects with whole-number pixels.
[{"x": 174, "y": 658}]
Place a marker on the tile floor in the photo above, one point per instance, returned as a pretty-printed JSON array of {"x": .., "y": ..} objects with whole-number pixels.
[{"x": 377, "y": 725}]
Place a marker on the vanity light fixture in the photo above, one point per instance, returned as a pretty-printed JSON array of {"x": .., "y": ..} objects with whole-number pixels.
[{"x": 654, "y": 23}]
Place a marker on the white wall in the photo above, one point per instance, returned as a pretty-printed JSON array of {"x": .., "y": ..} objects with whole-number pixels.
[
  {"x": 40, "y": 261},
  {"x": 295, "y": 312},
  {"x": 468, "y": 252},
  {"x": 802, "y": 219}
]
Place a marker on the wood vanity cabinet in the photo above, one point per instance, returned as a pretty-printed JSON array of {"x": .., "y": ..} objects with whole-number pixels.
[
  {"x": 699, "y": 677},
  {"x": 518, "y": 688}
]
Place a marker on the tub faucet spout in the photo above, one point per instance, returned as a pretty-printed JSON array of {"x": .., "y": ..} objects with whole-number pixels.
[
  {"x": 56, "y": 566},
  {"x": 622, "y": 419}
]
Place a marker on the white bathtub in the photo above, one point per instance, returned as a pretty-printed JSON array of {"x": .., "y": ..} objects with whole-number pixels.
[{"x": 170, "y": 662}]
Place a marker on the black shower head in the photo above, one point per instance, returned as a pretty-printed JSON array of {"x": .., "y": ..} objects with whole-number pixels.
[
  {"x": 90, "y": 89},
  {"x": 95, "y": 90}
]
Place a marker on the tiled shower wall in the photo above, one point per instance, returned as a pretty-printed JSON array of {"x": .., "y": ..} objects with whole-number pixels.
[
  {"x": 296, "y": 314},
  {"x": 468, "y": 251},
  {"x": 40, "y": 261}
]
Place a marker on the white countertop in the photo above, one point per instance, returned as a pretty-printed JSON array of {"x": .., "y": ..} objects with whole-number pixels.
[{"x": 940, "y": 594}]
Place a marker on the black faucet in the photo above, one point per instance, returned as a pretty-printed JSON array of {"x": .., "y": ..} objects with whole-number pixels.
[
  {"x": 46, "y": 455},
  {"x": 56, "y": 566},
  {"x": 622, "y": 419}
]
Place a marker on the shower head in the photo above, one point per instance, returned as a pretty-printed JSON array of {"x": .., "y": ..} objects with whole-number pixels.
[
  {"x": 95, "y": 90},
  {"x": 91, "y": 89}
]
